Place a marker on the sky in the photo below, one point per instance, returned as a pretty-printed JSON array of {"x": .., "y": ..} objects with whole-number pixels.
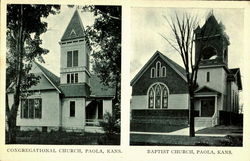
[
  {"x": 148, "y": 23},
  {"x": 57, "y": 24}
]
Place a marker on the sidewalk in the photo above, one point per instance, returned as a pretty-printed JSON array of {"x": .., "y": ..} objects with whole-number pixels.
[{"x": 181, "y": 132}]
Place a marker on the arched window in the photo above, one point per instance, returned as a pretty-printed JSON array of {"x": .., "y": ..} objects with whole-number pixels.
[
  {"x": 151, "y": 98},
  {"x": 163, "y": 71},
  {"x": 165, "y": 98},
  {"x": 158, "y": 68},
  {"x": 152, "y": 72},
  {"x": 158, "y": 96}
]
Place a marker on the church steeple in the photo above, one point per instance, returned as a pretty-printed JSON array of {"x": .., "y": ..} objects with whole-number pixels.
[
  {"x": 74, "y": 29},
  {"x": 75, "y": 52},
  {"x": 211, "y": 43}
]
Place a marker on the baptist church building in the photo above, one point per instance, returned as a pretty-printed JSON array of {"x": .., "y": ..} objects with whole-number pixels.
[
  {"x": 75, "y": 101},
  {"x": 159, "y": 90}
]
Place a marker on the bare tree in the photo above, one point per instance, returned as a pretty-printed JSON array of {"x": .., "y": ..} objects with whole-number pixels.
[{"x": 183, "y": 30}]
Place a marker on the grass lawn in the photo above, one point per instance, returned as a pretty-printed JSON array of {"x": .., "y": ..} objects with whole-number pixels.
[
  {"x": 146, "y": 127},
  {"x": 174, "y": 140},
  {"x": 222, "y": 129},
  {"x": 66, "y": 138}
]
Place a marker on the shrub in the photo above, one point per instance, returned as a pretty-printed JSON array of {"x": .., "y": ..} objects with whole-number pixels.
[{"x": 110, "y": 124}]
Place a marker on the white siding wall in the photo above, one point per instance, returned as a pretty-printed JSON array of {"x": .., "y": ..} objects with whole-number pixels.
[
  {"x": 107, "y": 106},
  {"x": 175, "y": 101},
  {"x": 78, "y": 121},
  {"x": 50, "y": 111},
  {"x": 217, "y": 79},
  {"x": 82, "y": 76}
]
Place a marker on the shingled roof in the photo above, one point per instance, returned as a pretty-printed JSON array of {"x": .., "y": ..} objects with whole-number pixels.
[
  {"x": 54, "y": 80},
  {"x": 74, "y": 29},
  {"x": 100, "y": 90},
  {"x": 176, "y": 67}
]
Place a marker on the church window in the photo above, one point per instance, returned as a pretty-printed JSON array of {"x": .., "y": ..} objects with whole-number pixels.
[
  {"x": 31, "y": 108},
  {"x": 151, "y": 98},
  {"x": 72, "y": 109},
  {"x": 158, "y": 96},
  {"x": 152, "y": 72},
  {"x": 68, "y": 78},
  {"x": 165, "y": 98},
  {"x": 75, "y": 58},
  {"x": 72, "y": 58},
  {"x": 72, "y": 78},
  {"x": 163, "y": 71},
  {"x": 76, "y": 77},
  {"x": 158, "y": 68},
  {"x": 208, "y": 76},
  {"x": 69, "y": 59}
]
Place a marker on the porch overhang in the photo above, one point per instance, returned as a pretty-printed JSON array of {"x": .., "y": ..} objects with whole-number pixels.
[{"x": 206, "y": 92}]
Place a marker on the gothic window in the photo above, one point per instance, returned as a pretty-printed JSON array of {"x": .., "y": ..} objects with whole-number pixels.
[
  {"x": 151, "y": 98},
  {"x": 165, "y": 98},
  {"x": 163, "y": 71},
  {"x": 158, "y": 71},
  {"x": 158, "y": 68},
  {"x": 152, "y": 72},
  {"x": 158, "y": 96}
]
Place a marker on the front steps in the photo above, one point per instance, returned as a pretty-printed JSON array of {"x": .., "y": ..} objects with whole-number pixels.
[
  {"x": 203, "y": 121},
  {"x": 93, "y": 129}
]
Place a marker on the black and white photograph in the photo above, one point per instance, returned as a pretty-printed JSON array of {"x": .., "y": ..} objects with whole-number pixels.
[
  {"x": 63, "y": 68},
  {"x": 186, "y": 76}
]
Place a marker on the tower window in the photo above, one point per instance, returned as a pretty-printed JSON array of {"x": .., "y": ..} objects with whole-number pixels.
[
  {"x": 208, "y": 76},
  {"x": 72, "y": 78},
  {"x": 72, "y": 58},
  {"x": 72, "y": 109},
  {"x": 75, "y": 58}
]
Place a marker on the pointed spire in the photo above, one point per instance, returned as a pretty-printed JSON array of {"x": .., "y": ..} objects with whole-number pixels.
[{"x": 74, "y": 29}]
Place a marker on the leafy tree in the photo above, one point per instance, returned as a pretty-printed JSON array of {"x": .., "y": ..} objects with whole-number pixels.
[
  {"x": 105, "y": 38},
  {"x": 24, "y": 26}
]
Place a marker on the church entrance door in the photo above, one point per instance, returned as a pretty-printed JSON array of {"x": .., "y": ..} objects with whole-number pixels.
[{"x": 207, "y": 107}]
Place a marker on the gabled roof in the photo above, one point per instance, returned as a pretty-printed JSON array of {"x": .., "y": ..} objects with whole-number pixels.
[
  {"x": 206, "y": 90},
  {"x": 52, "y": 78},
  {"x": 176, "y": 67},
  {"x": 74, "y": 29},
  {"x": 98, "y": 89},
  {"x": 235, "y": 76}
]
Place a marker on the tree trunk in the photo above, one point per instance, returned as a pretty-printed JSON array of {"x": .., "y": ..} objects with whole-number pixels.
[
  {"x": 191, "y": 116},
  {"x": 17, "y": 92}
]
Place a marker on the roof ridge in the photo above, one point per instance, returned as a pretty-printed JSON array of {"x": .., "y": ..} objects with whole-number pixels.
[{"x": 51, "y": 76}]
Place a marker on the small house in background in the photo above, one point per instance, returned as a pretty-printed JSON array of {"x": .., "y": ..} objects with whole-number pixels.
[
  {"x": 160, "y": 94},
  {"x": 75, "y": 101}
]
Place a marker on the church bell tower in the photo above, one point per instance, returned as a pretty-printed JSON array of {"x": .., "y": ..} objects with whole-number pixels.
[
  {"x": 75, "y": 50},
  {"x": 211, "y": 43}
]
